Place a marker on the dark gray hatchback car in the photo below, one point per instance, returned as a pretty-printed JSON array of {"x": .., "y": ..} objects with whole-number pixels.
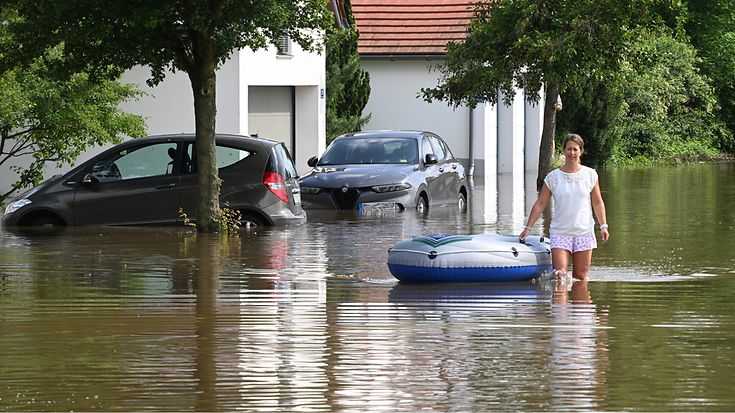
[
  {"x": 145, "y": 181},
  {"x": 412, "y": 169}
]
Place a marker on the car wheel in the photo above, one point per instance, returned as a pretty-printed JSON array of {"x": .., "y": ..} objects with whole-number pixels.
[
  {"x": 44, "y": 221},
  {"x": 250, "y": 220},
  {"x": 422, "y": 206},
  {"x": 462, "y": 202}
]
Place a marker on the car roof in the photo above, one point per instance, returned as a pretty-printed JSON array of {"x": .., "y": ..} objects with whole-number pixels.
[
  {"x": 218, "y": 136},
  {"x": 385, "y": 134}
]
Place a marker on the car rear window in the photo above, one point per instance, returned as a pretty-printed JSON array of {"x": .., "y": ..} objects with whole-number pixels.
[
  {"x": 371, "y": 151},
  {"x": 227, "y": 156},
  {"x": 282, "y": 162}
]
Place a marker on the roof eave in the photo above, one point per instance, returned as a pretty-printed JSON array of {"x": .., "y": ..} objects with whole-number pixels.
[{"x": 397, "y": 56}]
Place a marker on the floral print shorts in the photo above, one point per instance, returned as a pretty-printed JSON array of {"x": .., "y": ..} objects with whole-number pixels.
[{"x": 574, "y": 243}]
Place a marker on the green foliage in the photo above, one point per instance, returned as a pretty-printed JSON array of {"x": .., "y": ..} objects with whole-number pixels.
[
  {"x": 529, "y": 43},
  {"x": 53, "y": 121},
  {"x": 348, "y": 86},
  {"x": 589, "y": 111},
  {"x": 108, "y": 37},
  {"x": 538, "y": 45},
  {"x": 185, "y": 219},
  {"x": 711, "y": 27},
  {"x": 669, "y": 109},
  {"x": 229, "y": 220}
]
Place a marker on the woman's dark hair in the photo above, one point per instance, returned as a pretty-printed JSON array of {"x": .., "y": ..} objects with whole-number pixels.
[{"x": 574, "y": 138}]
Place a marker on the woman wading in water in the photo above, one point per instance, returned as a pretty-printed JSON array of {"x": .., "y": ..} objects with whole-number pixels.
[{"x": 576, "y": 193}]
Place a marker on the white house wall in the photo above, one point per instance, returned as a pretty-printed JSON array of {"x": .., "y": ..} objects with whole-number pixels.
[
  {"x": 305, "y": 71},
  {"x": 169, "y": 107},
  {"x": 506, "y": 138},
  {"x": 394, "y": 102}
]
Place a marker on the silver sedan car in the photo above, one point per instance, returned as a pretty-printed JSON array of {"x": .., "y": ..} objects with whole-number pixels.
[{"x": 412, "y": 169}]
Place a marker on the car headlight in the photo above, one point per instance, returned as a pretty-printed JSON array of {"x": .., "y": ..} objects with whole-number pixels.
[
  {"x": 16, "y": 205},
  {"x": 391, "y": 187},
  {"x": 310, "y": 190}
]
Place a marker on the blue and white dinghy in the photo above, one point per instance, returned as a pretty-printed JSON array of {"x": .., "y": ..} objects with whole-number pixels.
[{"x": 469, "y": 258}]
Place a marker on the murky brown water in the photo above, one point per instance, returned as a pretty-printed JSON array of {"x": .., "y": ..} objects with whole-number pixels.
[{"x": 309, "y": 318}]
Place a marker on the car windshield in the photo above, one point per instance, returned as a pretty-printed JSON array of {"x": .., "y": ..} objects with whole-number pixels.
[{"x": 371, "y": 151}]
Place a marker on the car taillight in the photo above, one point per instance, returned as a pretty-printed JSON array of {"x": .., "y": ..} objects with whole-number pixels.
[{"x": 275, "y": 183}]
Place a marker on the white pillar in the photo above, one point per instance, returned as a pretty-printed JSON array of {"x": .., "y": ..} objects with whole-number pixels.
[
  {"x": 490, "y": 156},
  {"x": 485, "y": 150},
  {"x": 310, "y": 135},
  {"x": 511, "y": 137},
  {"x": 534, "y": 114},
  {"x": 511, "y": 140}
]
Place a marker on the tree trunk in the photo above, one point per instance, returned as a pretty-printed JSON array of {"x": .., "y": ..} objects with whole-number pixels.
[
  {"x": 204, "y": 85},
  {"x": 546, "y": 150}
]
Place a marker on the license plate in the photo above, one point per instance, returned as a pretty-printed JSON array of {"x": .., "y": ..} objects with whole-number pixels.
[
  {"x": 367, "y": 208},
  {"x": 297, "y": 198}
]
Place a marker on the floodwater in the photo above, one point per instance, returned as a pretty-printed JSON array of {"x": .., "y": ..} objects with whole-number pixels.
[{"x": 309, "y": 319}]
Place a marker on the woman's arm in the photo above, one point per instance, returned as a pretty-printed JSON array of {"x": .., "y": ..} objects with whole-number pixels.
[
  {"x": 538, "y": 208},
  {"x": 598, "y": 205}
]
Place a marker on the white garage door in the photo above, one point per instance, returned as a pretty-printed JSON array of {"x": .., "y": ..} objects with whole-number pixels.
[{"x": 270, "y": 113}]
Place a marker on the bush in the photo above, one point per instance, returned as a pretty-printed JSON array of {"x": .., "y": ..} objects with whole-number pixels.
[{"x": 669, "y": 108}]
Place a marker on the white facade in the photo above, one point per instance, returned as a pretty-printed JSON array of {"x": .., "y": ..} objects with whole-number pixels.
[
  {"x": 505, "y": 139},
  {"x": 169, "y": 107}
]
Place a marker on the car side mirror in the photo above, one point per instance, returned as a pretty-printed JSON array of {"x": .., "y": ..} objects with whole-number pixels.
[
  {"x": 89, "y": 179},
  {"x": 430, "y": 159},
  {"x": 312, "y": 161}
]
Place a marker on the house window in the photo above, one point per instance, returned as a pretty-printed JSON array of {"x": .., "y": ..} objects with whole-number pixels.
[{"x": 284, "y": 46}]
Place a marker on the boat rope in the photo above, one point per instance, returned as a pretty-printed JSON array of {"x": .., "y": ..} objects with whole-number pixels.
[{"x": 436, "y": 253}]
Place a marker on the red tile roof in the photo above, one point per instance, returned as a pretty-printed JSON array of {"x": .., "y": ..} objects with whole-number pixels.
[{"x": 410, "y": 27}]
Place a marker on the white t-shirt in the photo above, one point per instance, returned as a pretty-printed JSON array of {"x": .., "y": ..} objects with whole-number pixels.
[{"x": 571, "y": 209}]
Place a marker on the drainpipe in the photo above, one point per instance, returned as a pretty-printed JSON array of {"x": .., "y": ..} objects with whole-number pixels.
[
  {"x": 471, "y": 172},
  {"x": 338, "y": 14}
]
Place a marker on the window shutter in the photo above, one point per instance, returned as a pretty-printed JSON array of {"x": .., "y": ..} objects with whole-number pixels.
[{"x": 284, "y": 46}]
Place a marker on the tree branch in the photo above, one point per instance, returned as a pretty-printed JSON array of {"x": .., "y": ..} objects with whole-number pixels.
[
  {"x": 5, "y": 195},
  {"x": 26, "y": 131}
]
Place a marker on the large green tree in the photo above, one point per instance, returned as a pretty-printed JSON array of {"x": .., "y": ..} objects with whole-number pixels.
[
  {"x": 669, "y": 109},
  {"x": 348, "y": 85},
  {"x": 549, "y": 45},
  {"x": 106, "y": 37},
  {"x": 48, "y": 120},
  {"x": 711, "y": 26},
  {"x": 590, "y": 109},
  {"x": 660, "y": 108}
]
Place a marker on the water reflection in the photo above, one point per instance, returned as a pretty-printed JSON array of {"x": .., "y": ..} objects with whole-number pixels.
[
  {"x": 579, "y": 354},
  {"x": 673, "y": 220},
  {"x": 206, "y": 274},
  {"x": 502, "y": 203},
  {"x": 309, "y": 318}
]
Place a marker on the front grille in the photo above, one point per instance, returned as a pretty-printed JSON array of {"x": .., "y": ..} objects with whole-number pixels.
[{"x": 345, "y": 200}]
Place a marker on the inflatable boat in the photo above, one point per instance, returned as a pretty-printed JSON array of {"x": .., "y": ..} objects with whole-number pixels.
[{"x": 469, "y": 258}]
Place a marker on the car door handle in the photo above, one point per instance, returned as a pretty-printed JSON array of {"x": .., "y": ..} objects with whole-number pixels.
[
  {"x": 441, "y": 169},
  {"x": 166, "y": 186},
  {"x": 454, "y": 166}
]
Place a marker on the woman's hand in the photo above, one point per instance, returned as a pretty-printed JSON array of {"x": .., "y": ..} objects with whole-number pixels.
[
  {"x": 605, "y": 234},
  {"x": 522, "y": 236}
]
